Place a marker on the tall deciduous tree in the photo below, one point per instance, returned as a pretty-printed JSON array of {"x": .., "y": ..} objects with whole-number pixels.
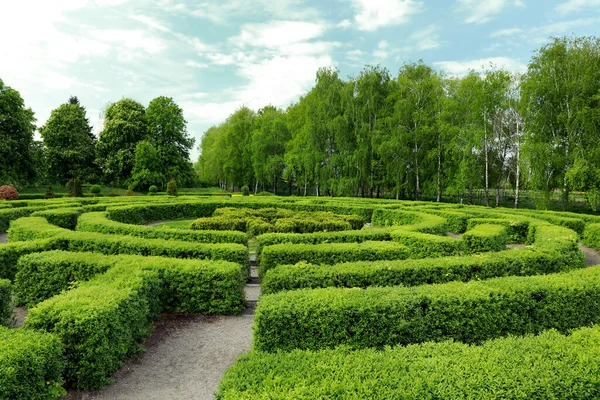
[
  {"x": 167, "y": 131},
  {"x": 70, "y": 143},
  {"x": 124, "y": 126},
  {"x": 147, "y": 170},
  {"x": 16, "y": 138}
]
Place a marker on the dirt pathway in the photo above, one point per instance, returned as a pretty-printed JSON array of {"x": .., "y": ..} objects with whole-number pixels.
[
  {"x": 3, "y": 238},
  {"x": 186, "y": 356},
  {"x": 592, "y": 256}
]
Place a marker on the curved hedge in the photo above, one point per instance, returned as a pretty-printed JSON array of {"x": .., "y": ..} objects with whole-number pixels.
[{"x": 548, "y": 366}]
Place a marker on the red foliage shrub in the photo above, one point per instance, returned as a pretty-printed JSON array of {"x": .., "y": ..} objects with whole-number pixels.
[{"x": 8, "y": 193}]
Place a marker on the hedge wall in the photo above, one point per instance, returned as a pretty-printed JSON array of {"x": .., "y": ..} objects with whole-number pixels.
[
  {"x": 548, "y": 366},
  {"x": 31, "y": 365},
  {"x": 516, "y": 262},
  {"x": 468, "y": 312},
  {"x": 103, "y": 320},
  {"x": 329, "y": 253},
  {"x": 5, "y": 301},
  {"x": 485, "y": 237},
  {"x": 97, "y": 222}
]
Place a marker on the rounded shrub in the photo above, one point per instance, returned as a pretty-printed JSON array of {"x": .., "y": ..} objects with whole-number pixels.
[
  {"x": 172, "y": 188},
  {"x": 8, "y": 193},
  {"x": 245, "y": 191},
  {"x": 95, "y": 189},
  {"x": 49, "y": 191},
  {"x": 152, "y": 189},
  {"x": 265, "y": 194}
]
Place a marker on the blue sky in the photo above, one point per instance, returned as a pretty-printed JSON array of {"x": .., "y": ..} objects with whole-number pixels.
[{"x": 215, "y": 56}]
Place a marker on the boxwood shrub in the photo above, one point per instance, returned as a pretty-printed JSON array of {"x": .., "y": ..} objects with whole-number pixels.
[
  {"x": 548, "y": 366},
  {"x": 517, "y": 262},
  {"x": 31, "y": 365},
  {"x": 517, "y": 230},
  {"x": 97, "y": 222},
  {"x": 468, "y": 312},
  {"x": 421, "y": 245},
  {"x": 329, "y": 253},
  {"x": 5, "y": 301},
  {"x": 485, "y": 237}
]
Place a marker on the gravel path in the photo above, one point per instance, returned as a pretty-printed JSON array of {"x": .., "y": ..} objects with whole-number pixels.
[
  {"x": 185, "y": 358},
  {"x": 592, "y": 256},
  {"x": 3, "y": 238}
]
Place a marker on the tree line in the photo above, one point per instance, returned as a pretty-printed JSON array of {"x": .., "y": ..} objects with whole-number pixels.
[
  {"x": 137, "y": 147},
  {"x": 422, "y": 134}
]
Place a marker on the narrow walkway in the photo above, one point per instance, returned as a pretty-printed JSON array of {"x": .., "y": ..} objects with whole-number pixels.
[
  {"x": 3, "y": 238},
  {"x": 186, "y": 356},
  {"x": 592, "y": 256}
]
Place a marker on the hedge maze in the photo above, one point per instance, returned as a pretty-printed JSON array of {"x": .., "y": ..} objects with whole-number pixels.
[{"x": 361, "y": 298}]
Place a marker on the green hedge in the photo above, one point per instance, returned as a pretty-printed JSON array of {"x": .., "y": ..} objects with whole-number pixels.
[
  {"x": 548, "y": 366},
  {"x": 11, "y": 252},
  {"x": 97, "y": 222},
  {"x": 365, "y": 235},
  {"x": 485, "y": 237},
  {"x": 456, "y": 221},
  {"x": 104, "y": 320},
  {"x": 517, "y": 230},
  {"x": 468, "y": 312},
  {"x": 421, "y": 245},
  {"x": 591, "y": 235},
  {"x": 144, "y": 213},
  {"x": 31, "y": 365},
  {"x": 6, "y": 308},
  {"x": 62, "y": 217},
  {"x": 515, "y": 262},
  {"x": 36, "y": 227},
  {"x": 329, "y": 253}
]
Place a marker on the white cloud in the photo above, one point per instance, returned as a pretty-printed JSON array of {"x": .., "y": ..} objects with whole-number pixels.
[
  {"x": 372, "y": 15},
  {"x": 195, "y": 64},
  {"x": 571, "y": 6},
  {"x": 278, "y": 34},
  {"x": 344, "y": 24},
  {"x": 426, "y": 39},
  {"x": 482, "y": 11},
  {"x": 507, "y": 32},
  {"x": 539, "y": 35},
  {"x": 355, "y": 54},
  {"x": 461, "y": 68}
]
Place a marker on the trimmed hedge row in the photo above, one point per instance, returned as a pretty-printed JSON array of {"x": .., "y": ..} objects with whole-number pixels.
[
  {"x": 517, "y": 230},
  {"x": 144, "y": 213},
  {"x": 11, "y": 252},
  {"x": 62, "y": 217},
  {"x": 468, "y": 312},
  {"x": 329, "y": 253},
  {"x": 548, "y": 366},
  {"x": 365, "y": 235},
  {"x": 413, "y": 221},
  {"x": 97, "y": 222},
  {"x": 591, "y": 235},
  {"x": 516, "y": 262},
  {"x": 36, "y": 227},
  {"x": 31, "y": 365},
  {"x": 421, "y": 245},
  {"x": 5, "y": 302},
  {"x": 485, "y": 237},
  {"x": 103, "y": 320}
]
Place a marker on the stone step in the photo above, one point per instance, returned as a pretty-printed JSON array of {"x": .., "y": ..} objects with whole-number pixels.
[
  {"x": 252, "y": 292},
  {"x": 253, "y": 280}
]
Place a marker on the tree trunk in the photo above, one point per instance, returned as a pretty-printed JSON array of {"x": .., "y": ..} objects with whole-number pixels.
[
  {"x": 256, "y": 188},
  {"x": 305, "y": 184},
  {"x": 518, "y": 176},
  {"x": 439, "y": 177},
  {"x": 485, "y": 149}
]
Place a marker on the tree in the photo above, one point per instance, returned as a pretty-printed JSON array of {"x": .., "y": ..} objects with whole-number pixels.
[
  {"x": 167, "y": 131},
  {"x": 124, "y": 126},
  {"x": 16, "y": 138},
  {"x": 559, "y": 94},
  {"x": 147, "y": 170},
  {"x": 70, "y": 143}
]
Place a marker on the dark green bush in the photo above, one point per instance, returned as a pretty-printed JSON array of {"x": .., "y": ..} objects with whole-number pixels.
[
  {"x": 6, "y": 308},
  {"x": 49, "y": 192},
  {"x": 172, "y": 188},
  {"x": 468, "y": 312},
  {"x": 152, "y": 189},
  {"x": 591, "y": 236},
  {"x": 62, "y": 217},
  {"x": 31, "y": 365},
  {"x": 95, "y": 189},
  {"x": 245, "y": 191},
  {"x": 264, "y": 194},
  {"x": 548, "y": 366},
  {"x": 329, "y": 253},
  {"x": 517, "y": 230}
]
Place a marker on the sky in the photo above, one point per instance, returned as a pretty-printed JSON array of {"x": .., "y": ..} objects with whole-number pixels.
[{"x": 213, "y": 57}]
